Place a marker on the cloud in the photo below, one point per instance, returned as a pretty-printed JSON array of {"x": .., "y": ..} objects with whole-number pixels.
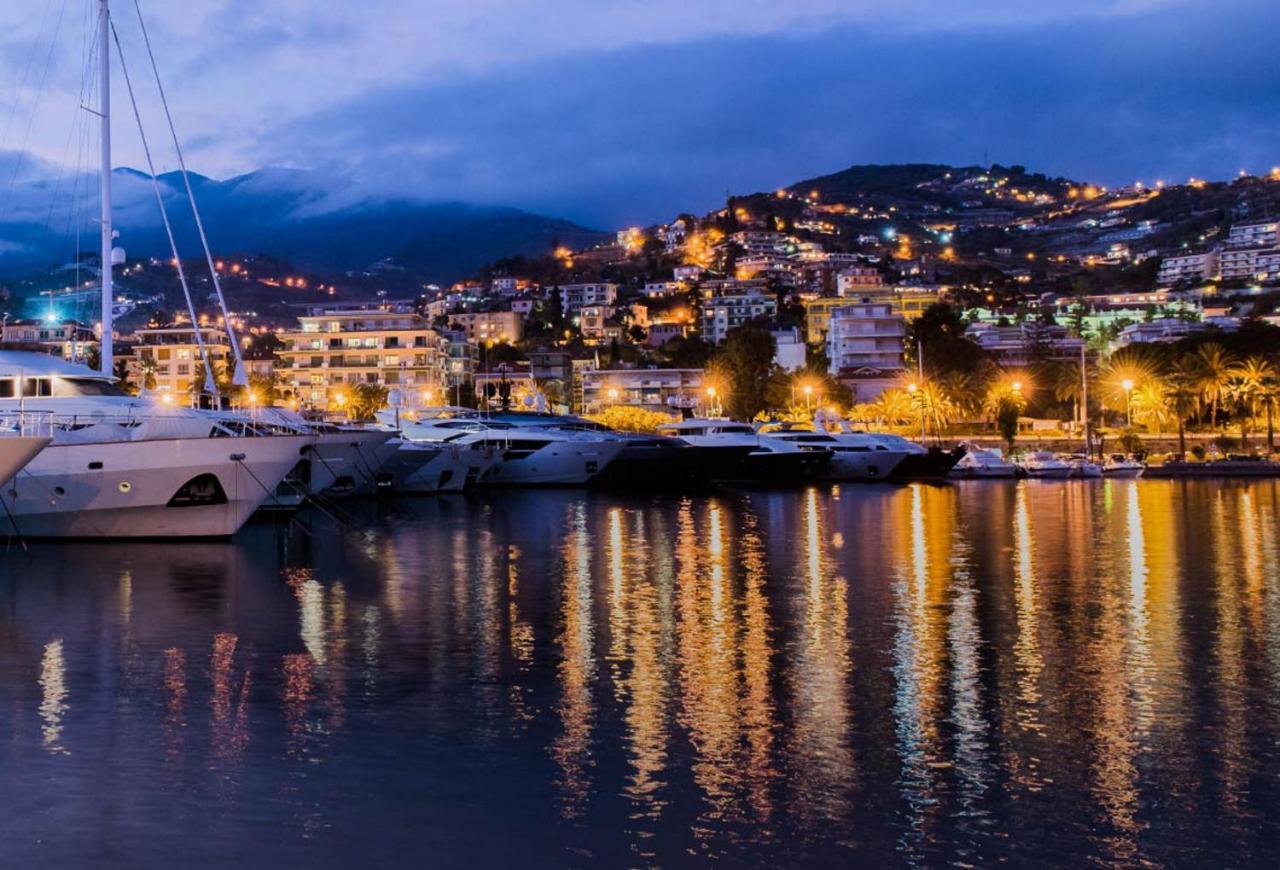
[{"x": 613, "y": 111}]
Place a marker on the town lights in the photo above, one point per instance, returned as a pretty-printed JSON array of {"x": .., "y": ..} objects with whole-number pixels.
[
  {"x": 612, "y": 394},
  {"x": 1127, "y": 386}
]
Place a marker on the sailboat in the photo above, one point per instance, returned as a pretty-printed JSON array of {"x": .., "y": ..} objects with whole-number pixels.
[{"x": 118, "y": 466}]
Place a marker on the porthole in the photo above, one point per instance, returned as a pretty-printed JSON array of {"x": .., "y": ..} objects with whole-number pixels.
[
  {"x": 125, "y": 486},
  {"x": 57, "y": 490}
]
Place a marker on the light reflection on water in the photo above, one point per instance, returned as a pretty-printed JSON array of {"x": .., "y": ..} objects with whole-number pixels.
[{"x": 1034, "y": 672}]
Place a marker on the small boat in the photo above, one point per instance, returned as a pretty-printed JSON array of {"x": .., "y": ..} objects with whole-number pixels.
[
  {"x": 981, "y": 463},
  {"x": 1083, "y": 467},
  {"x": 1045, "y": 465},
  {"x": 1119, "y": 465}
]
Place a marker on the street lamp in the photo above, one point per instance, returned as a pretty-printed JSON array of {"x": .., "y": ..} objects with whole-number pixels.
[
  {"x": 613, "y": 395},
  {"x": 711, "y": 396},
  {"x": 808, "y": 394},
  {"x": 913, "y": 388},
  {"x": 1127, "y": 386}
]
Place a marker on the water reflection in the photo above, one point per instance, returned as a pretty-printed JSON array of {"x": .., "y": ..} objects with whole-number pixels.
[{"x": 1026, "y": 673}]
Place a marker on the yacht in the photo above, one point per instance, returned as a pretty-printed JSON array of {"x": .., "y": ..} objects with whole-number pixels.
[
  {"x": 1119, "y": 465},
  {"x": 506, "y": 452},
  {"x": 854, "y": 455},
  {"x": 918, "y": 462},
  {"x": 119, "y": 466},
  {"x": 1044, "y": 464},
  {"x": 769, "y": 460},
  {"x": 1083, "y": 467},
  {"x": 980, "y": 463}
]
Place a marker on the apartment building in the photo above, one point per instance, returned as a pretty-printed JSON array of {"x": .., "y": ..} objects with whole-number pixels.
[
  {"x": 389, "y": 344},
  {"x": 864, "y": 345},
  {"x": 856, "y": 280},
  {"x": 68, "y": 339},
  {"x": 1249, "y": 264},
  {"x": 574, "y": 296},
  {"x": 1023, "y": 344},
  {"x": 489, "y": 326},
  {"x": 166, "y": 359},
  {"x": 1197, "y": 266},
  {"x": 730, "y": 310},
  {"x": 1258, "y": 234},
  {"x": 652, "y": 389}
]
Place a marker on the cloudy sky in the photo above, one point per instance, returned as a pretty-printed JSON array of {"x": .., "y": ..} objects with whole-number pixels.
[{"x": 616, "y": 111}]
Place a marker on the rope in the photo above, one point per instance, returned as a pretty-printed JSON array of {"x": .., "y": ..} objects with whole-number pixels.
[
  {"x": 240, "y": 378},
  {"x": 210, "y": 382}
]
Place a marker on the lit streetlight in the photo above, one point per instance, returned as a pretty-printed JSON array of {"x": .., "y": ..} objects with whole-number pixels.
[{"x": 1127, "y": 386}]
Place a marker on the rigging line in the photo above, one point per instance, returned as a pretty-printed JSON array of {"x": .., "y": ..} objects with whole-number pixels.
[
  {"x": 26, "y": 72},
  {"x": 44, "y": 77},
  {"x": 240, "y": 377},
  {"x": 210, "y": 384}
]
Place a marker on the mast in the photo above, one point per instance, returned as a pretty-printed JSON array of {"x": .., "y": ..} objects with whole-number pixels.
[
  {"x": 1084, "y": 401},
  {"x": 104, "y": 116}
]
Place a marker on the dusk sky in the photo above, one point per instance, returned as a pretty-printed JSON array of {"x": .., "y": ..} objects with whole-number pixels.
[{"x": 612, "y": 112}]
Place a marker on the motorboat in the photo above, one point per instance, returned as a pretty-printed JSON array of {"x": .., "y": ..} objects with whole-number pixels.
[
  {"x": 918, "y": 461},
  {"x": 1046, "y": 465},
  {"x": 855, "y": 456},
  {"x": 1083, "y": 467},
  {"x": 769, "y": 460},
  {"x": 1119, "y": 465},
  {"x": 119, "y": 466},
  {"x": 981, "y": 463},
  {"x": 542, "y": 451}
]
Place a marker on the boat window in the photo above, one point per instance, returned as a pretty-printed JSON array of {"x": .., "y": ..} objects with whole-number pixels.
[
  {"x": 85, "y": 387},
  {"x": 37, "y": 386},
  {"x": 736, "y": 430},
  {"x": 6, "y": 388}
]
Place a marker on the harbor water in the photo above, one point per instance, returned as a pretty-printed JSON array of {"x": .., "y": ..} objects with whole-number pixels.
[{"x": 1032, "y": 672}]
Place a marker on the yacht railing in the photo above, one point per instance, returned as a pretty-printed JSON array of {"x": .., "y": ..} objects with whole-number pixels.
[{"x": 27, "y": 424}]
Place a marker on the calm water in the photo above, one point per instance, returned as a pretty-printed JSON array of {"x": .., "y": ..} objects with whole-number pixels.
[{"x": 1045, "y": 672}]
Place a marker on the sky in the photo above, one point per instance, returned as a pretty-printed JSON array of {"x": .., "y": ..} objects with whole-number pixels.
[{"x": 614, "y": 112}]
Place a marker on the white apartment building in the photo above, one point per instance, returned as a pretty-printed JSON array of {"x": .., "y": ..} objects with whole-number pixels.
[
  {"x": 759, "y": 242},
  {"x": 733, "y": 309},
  {"x": 336, "y": 349},
  {"x": 167, "y": 359},
  {"x": 856, "y": 279},
  {"x": 574, "y": 296},
  {"x": 1249, "y": 264},
  {"x": 489, "y": 326},
  {"x": 1023, "y": 344},
  {"x": 1197, "y": 266},
  {"x": 1258, "y": 234},
  {"x": 864, "y": 345}
]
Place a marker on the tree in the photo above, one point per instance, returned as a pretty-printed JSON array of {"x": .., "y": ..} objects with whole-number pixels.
[
  {"x": 1216, "y": 367},
  {"x": 746, "y": 359},
  {"x": 1182, "y": 382},
  {"x": 1251, "y": 380},
  {"x": 941, "y": 329},
  {"x": 1005, "y": 403},
  {"x": 366, "y": 400}
]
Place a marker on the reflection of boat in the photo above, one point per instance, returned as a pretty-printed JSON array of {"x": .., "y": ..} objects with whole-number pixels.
[
  {"x": 1043, "y": 464},
  {"x": 1119, "y": 465},
  {"x": 854, "y": 455},
  {"x": 769, "y": 460},
  {"x": 983, "y": 463}
]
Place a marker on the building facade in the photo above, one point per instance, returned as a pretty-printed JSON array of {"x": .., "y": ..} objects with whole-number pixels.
[
  {"x": 864, "y": 345},
  {"x": 1197, "y": 266},
  {"x": 334, "y": 350},
  {"x": 489, "y": 326},
  {"x": 652, "y": 389},
  {"x": 574, "y": 296},
  {"x": 728, "y": 311},
  {"x": 166, "y": 359}
]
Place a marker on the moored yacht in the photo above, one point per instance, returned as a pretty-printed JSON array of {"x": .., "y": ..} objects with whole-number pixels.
[
  {"x": 1044, "y": 464},
  {"x": 769, "y": 460},
  {"x": 855, "y": 456},
  {"x": 1119, "y": 465},
  {"x": 125, "y": 467},
  {"x": 980, "y": 463},
  {"x": 18, "y": 446}
]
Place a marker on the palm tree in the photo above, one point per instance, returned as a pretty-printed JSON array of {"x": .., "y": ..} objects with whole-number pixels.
[
  {"x": 1249, "y": 380},
  {"x": 1182, "y": 382},
  {"x": 963, "y": 391},
  {"x": 894, "y": 406},
  {"x": 1151, "y": 405},
  {"x": 1269, "y": 396},
  {"x": 1215, "y": 374}
]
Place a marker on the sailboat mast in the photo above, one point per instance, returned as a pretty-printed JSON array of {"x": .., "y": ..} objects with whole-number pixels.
[
  {"x": 1084, "y": 400},
  {"x": 104, "y": 116}
]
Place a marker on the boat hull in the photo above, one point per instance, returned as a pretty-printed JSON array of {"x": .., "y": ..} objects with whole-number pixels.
[
  {"x": 936, "y": 464},
  {"x": 148, "y": 489}
]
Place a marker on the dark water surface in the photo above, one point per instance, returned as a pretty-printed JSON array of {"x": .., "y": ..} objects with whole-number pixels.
[{"x": 1041, "y": 672}]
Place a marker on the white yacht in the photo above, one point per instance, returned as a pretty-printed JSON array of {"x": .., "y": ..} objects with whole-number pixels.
[
  {"x": 854, "y": 455},
  {"x": 125, "y": 467},
  {"x": 1083, "y": 467},
  {"x": 983, "y": 463},
  {"x": 1044, "y": 464},
  {"x": 769, "y": 460},
  {"x": 503, "y": 452},
  {"x": 1119, "y": 465}
]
